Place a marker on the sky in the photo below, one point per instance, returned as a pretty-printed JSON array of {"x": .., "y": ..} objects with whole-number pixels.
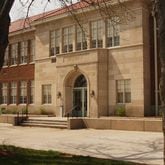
[{"x": 19, "y": 11}]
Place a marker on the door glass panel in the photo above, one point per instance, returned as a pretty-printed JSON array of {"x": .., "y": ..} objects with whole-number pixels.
[
  {"x": 80, "y": 97},
  {"x": 85, "y": 102},
  {"x": 80, "y": 82},
  {"x": 77, "y": 102}
]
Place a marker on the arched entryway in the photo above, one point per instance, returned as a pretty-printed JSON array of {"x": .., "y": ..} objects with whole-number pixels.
[
  {"x": 80, "y": 97},
  {"x": 76, "y": 94}
]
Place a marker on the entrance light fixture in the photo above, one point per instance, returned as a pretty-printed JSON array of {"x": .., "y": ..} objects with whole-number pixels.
[
  {"x": 75, "y": 67},
  {"x": 58, "y": 95},
  {"x": 92, "y": 93}
]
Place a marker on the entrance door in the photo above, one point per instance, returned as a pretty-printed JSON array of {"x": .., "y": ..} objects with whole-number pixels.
[
  {"x": 80, "y": 102},
  {"x": 80, "y": 97}
]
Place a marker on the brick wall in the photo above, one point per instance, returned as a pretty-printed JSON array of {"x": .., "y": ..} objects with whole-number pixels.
[{"x": 16, "y": 73}]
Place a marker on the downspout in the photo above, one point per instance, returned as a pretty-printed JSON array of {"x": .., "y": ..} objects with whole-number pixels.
[{"x": 155, "y": 62}]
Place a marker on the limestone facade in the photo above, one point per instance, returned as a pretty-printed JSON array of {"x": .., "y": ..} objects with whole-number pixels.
[{"x": 103, "y": 67}]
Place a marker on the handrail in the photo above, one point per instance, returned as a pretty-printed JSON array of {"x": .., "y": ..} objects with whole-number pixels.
[
  {"x": 71, "y": 111},
  {"x": 20, "y": 115}
]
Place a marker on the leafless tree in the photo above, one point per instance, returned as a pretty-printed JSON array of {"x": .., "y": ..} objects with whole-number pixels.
[{"x": 5, "y": 6}]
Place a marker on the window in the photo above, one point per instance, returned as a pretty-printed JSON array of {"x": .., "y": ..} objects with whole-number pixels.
[
  {"x": 6, "y": 57},
  {"x": 80, "y": 82},
  {"x": 31, "y": 47},
  {"x": 68, "y": 39},
  {"x": 14, "y": 53},
  {"x": 54, "y": 42},
  {"x": 23, "y": 92},
  {"x": 23, "y": 52},
  {"x": 97, "y": 34},
  {"x": 81, "y": 41},
  {"x": 31, "y": 91},
  {"x": 124, "y": 91},
  {"x": 13, "y": 93},
  {"x": 4, "y": 93},
  {"x": 46, "y": 94},
  {"x": 113, "y": 29}
]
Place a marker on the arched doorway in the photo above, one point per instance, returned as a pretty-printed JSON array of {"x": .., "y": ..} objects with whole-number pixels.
[{"x": 80, "y": 97}]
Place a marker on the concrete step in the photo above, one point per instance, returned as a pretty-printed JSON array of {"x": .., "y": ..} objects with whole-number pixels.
[{"x": 45, "y": 123}]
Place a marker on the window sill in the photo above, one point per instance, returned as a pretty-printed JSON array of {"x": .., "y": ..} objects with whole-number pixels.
[
  {"x": 5, "y": 66},
  {"x": 31, "y": 62},
  {"x": 113, "y": 47},
  {"x": 23, "y": 64},
  {"x": 13, "y": 66},
  {"x": 122, "y": 103}
]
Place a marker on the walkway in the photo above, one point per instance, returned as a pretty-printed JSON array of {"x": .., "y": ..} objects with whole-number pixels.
[{"x": 144, "y": 147}]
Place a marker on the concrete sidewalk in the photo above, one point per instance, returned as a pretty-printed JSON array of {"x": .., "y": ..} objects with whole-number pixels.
[{"x": 143, "y": 147}]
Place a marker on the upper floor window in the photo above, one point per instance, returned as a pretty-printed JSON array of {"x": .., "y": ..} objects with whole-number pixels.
[
  {"x": 97, "y": 34},
  {"x": 81, "y": 40},
  {"x": 14, "y": 54},
  {"x": 54, "y": 42},
  {"x": 13, "y": 93},
  {"x": 113, "y": 29},
  {"x": 23, "y": 52},
  {"x": 31, "y": 91},
  {"x": 6, "y": 57},
  {"x": 31, "y": 50},
  {"x": 124, "y": 91},
  {"x": 23, "y": 92},
  {"x": 20, "y": 53},
  {"x": 4, "y": 93},
  {"x": 68, "y": 39},
  {"x": 46, "y": 94}
]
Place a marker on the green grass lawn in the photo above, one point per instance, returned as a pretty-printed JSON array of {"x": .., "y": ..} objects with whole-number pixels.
[{"x": 10, "y": 155}]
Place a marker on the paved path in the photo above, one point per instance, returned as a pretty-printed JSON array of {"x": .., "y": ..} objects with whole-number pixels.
[{"x": 144, "y": 147}]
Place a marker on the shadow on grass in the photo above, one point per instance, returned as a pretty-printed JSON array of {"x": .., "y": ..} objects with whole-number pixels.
[{"x": 11, "y": 155}]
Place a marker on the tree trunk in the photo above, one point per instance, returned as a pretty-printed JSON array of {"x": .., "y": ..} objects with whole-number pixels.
[
  {"x": 5, "y": 6},
  {"x": 161, "y": 19}
]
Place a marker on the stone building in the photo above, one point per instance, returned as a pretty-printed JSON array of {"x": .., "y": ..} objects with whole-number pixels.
[{"x": 56, "y": 66}]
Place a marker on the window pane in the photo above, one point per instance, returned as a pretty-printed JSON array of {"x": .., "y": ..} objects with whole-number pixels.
[
  {"x": 31, "y": 91},
  {"x": 113, "y": 29},
  {"x": 23, "y": 52},
  {"x": 14, "y": 53},
  {"x": 13, "y": 93},
  {"x": 124, "y": 91},
  {"x": 127, "y": 97},
  {"x": 23, "y": 92},
  {"x": 120, "y": 97},
  {"x": 127, "y": 89},
  {"x": 6, "y": 57},
  {"x": 97, "y": 34},
  {"x": 54, "y": 42},
  {"x": 4, "y": 93},
  {"x": 32, "y": 50},
  {"x": 68, "y": 39},
  {"x": 46, "y": 94},
  {"x": 81, "y": 39},
  {"x": 127, "y": 85}
]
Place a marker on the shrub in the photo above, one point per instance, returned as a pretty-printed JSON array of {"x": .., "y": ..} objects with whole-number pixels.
[
  {"x": 10, "y": 111},
  {"x": 2, "y": 110},
  {"x": 43, "y": 111},
  {"x": 24, "y": 110},
  {"x": 120, "y": 111}
]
